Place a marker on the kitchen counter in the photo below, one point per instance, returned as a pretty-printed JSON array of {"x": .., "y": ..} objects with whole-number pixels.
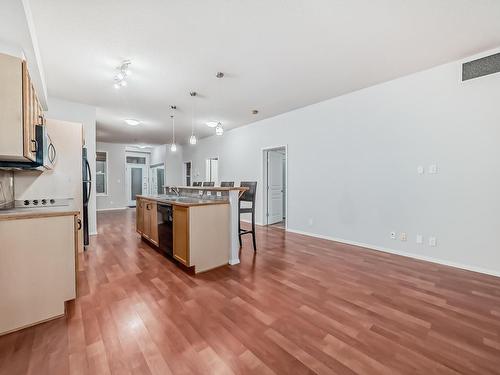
[
  {"x": 183, "y": 201},
  {"x": 38, "y": 212}
]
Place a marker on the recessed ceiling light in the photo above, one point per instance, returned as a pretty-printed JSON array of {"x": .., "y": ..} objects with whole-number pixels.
[
  {"x": 132, "y": 122},
  {"x": 255, "y": 112},
  {"x": 212, "y": 124}
]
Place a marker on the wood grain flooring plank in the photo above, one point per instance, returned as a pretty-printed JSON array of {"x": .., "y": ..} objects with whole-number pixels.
[{"x": 300, "y": 305}]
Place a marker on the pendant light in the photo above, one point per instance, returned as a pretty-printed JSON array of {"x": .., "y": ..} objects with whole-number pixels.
[
  {"x": 192, "y": 139},
  {"x": 219, "y": 130},
  {"x": 173, "y": 147}
]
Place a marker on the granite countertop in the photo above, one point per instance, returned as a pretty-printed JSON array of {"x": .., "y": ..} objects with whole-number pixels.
[
  {"x": 38, "y": 212},
  {"x": 183, "y": 201}
]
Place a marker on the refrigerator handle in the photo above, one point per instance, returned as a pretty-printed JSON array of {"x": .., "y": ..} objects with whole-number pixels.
[{"x": 89, "y": 180}]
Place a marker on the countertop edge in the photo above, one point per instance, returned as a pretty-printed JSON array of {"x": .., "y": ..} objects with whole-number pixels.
[
  {"x": 36, "y": 215},
  {"x": 182, "y": 204}
]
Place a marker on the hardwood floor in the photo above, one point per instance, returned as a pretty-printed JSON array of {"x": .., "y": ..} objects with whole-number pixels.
[{"x": 300, "y": 305}]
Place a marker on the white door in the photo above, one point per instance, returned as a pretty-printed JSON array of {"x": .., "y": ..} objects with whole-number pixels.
[
  {"x": 275, "y": 187},
  {"x": 137, "y": 181}
]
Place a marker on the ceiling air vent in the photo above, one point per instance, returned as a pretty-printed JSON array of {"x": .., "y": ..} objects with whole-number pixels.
[{"x": 481, "y": 67}]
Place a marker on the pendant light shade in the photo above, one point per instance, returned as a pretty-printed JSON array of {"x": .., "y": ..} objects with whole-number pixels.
[
  {"x": 173, "y": 147},
  {"x": 219, "y": 130},
  {"x": 192, "y": 139}
]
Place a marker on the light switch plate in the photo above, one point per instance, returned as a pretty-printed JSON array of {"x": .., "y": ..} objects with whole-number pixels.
[
  {"x": 209, "y": 193},
  {"x": 433, "y": 169},
  {"x": 403, "y": 236},
  {"x": 419, "y": 239},
  {"x": 432, "y": 241},
  {"x": 420, "y": 169},
  {"x": 393, "y": 235},
  {"x": 219, "y": 193}
]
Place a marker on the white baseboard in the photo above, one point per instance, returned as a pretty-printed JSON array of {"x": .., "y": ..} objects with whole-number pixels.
[
  {"x": 93, "y": 234},
  {"x": 233, "y": 262},
  {"x": 405, "y": 254},
  {"x": 112, "y": 209},
  {"x": 250, "y": 222}
]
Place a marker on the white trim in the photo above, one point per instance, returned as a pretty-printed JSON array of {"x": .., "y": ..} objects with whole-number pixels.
[
  {"x": 263, "y": 171},
  {"x": 402, "y": 253},
  {"x": 112, "y": 209},
  {"x": 184, "y": 172},
  {"x": 233, "y": 262},
  {"x": 106, "y": 175},
  {"x": 93, "y": 234}
]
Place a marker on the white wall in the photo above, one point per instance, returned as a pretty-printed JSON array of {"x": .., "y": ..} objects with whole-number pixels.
[
  {"x": 352, "y": 165},
  {"x": 81, "y": 113},
  {"x": 173, "y": 163},
  {"x": 117, "y": 194}
]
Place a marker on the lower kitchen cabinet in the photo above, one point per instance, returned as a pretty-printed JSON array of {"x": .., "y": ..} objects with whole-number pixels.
[
  {"x": 181, "y": 234},
  {"x": 147, "y": 220},
  {"x": 37, "y": 271}
]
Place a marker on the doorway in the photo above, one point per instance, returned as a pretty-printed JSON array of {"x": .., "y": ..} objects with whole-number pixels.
[
  {"x": 212, "y": 170},
  {"x": 275, "y": 162},
  {"x": 157, "y": 173},
  {"x": 136, "y": 175},
  {"x": 187, "y": 173}
]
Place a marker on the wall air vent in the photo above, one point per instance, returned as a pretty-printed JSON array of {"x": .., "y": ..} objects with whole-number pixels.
[{"x": 481, "y": 67}]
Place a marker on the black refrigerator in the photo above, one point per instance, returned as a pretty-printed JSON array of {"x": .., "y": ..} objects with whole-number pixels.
[{"x": 87, "y": 189}]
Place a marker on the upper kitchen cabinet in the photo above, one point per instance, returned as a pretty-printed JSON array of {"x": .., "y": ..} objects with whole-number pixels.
[{"x": 20, "y": 111}]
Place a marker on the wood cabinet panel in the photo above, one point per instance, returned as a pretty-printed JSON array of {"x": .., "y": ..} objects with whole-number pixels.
[
  {"x": 139, "y": 218},
  {"x": 153, "y": 223},
  {"x": 181, "y": 234},
  {"x": 29, "y": 115}
]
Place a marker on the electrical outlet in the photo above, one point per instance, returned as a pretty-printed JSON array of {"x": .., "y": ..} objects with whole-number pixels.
[
  {"x": 219, "y": 193},
  {"x": 393, "y": 235},
  {"x": 209, "y": 193},
  {"x": 419, "y": 239},
  {"x": 403, "y": 236},
  {"x": 432, "y": 241}
]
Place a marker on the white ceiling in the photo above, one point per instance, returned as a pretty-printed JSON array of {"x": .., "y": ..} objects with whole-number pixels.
[{"x": 277, "y": 55}]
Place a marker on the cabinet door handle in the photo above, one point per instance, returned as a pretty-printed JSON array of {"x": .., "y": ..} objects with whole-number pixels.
[
  {"x": 34, "y": 142},
  {"x": 79, "y": 222},
  {"x": 42, "y": 120}
]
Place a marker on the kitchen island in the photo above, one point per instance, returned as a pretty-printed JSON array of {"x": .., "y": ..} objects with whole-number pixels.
[{"x": 197, "y": 226}]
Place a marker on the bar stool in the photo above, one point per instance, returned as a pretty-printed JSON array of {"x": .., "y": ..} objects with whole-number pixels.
[
  {"x": 197, "y": 183},
  {"x": 248, "y": 196},
  {"x": 209, "y": 183},
  {"x": 227, "y": 184}
]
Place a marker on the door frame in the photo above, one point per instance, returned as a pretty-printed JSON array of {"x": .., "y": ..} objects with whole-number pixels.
[
  {"x": 263, "y": 155},
  {"x": 145, "y": 154},
  {"x": 184, "y": 171}
]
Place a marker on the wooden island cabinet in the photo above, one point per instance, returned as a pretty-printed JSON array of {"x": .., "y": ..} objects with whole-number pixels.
[{"x": 200, "y": 230}]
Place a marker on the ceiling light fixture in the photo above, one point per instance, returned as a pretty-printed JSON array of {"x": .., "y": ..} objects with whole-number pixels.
[
  {"x": 122, "y": 72},
  {"x": 192, "y": 139},
  {"x": 132, "y": 122},
  {"x": 173, "y": 147},
  {"x": 219, "y": 130},
  {"x": 212, "y": 124}
]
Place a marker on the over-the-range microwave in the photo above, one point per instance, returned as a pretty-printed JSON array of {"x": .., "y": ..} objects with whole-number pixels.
[{"x": 45, "y": 153}]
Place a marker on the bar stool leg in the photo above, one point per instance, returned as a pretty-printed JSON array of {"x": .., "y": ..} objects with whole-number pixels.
[
  {"x": 253, "y": 231},
  {"x": 239, "y": 228}
]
